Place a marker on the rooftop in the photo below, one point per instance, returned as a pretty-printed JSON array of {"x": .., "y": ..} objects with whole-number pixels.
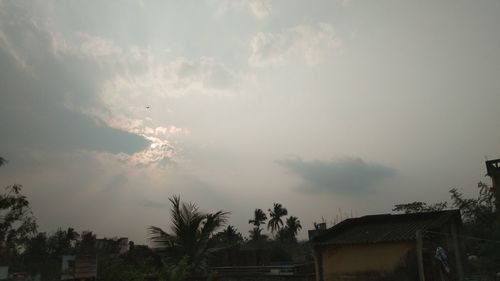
[{"x": 384, "y": 228}]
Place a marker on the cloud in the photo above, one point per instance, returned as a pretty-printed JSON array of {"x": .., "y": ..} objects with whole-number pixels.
[
  {"x": 90, "y": 91},
  {"x": 348, "y": 176},
  {"x": 307, "y": 43},
  {"x": 260, "y": 9},
  {"x": 35, "y": 86},
  {"x": 175, "y": 78}
]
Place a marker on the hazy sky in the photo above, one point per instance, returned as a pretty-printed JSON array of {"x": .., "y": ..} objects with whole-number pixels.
[{"x": 327, "y": 107}]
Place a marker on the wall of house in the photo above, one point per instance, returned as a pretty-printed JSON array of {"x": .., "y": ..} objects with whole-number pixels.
[{"x": 368, "y": 262}]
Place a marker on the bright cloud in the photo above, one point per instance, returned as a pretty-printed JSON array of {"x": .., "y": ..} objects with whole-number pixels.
[
  {"x": 260, "y": 9},
  {"x": 309, "y": 43}
]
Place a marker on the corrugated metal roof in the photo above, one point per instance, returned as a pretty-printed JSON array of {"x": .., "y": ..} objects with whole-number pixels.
[{"x": 384, "y": 228}]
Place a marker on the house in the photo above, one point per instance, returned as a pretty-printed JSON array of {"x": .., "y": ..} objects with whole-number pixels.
[
  {"x": 79, "y": 267},
  {"x": 418, "y": 246}
]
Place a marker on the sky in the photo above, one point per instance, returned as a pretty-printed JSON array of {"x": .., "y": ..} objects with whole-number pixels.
[{"x": 334, "y": 109}]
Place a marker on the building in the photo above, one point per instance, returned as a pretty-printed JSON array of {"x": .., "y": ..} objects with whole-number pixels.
[
  {"x": 391, "y": 247},
  {"x": 118, "y": 246},
  {"x": 79, "y": 267},
  {"x": 493, "y": 171}
]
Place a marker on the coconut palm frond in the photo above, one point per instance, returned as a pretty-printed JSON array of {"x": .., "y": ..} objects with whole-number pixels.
[
  {"x": 160, "y": 238},
  {"x": 190, "y": 234}
]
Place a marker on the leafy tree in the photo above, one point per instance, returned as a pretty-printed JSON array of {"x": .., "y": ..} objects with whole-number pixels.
[
  {"x": 419, "y": 207},
  {"x": 479, "y": 210},
  {"x": 37, "y": 259},
  {"x": 259, "y": 217},
  {"x": 481, "y": 220},
  {"x": 278, "y": 211},
  {"x": 63, "y": 242},
  {"x": 190, "y": 234},
  {"x": 87, "y": 244},
  {"x": 17, "y": 223}
]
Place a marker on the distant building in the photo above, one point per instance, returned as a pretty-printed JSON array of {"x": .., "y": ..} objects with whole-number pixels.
[
  {"x": 493, "y": 171},
  {"x": 318, "y": 229},
  {"x": 79, "y": 267},
  {"x": 118, "y": 246},
  {"x": 390, "y": 247},
  {"x": 123, "y": 245}
]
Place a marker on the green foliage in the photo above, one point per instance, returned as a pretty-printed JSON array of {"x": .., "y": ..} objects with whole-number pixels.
[
  {"x": 87, "y": 244},
  {"x": 190, "y": 235},
  {"x": 179, "y": 271},
  {"x": 419, "y": 207},
  {"x": 115, "y": 269},
  {"x": 17, "y": 223},
  {"x": 479, "y": 210},
  {"x": 481, "y": 220},
  {"x": 62, "y": 242}
]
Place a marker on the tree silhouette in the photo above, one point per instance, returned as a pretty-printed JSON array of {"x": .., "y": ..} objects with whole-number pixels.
[
  {"x": 275, "y": 222},
  {"x": 256, "y": 234},
  {"x": 17, "y": 223},
  {"x": 229, "y": 236},
  {"x": 259, "y": 217},
  {"x": 190, "y": 234},
  {"x": 289, "y": 232}
]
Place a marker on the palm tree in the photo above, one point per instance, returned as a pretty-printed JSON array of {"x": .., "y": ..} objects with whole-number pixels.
[
  {"x": 256, "y": 234},
  {"x": 293, "y": 225},
  {"x": 190, "y": 234},
  {"x": 259, "y": 217},
  {"x": 289, "y": 232},
  {"x": 276, "y": 213}
]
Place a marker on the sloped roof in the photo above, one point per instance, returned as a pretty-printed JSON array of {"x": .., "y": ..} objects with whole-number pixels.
[{"x": 384, "y": 228}]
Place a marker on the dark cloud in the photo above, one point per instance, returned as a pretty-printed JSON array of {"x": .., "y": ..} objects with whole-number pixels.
[
  {"x": 36, "y": 88},
  {"x": 350, "y": 175}
]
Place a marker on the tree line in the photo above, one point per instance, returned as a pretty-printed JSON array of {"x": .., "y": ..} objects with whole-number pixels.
[
  {"x": 193, "y": 243},
  {"x": 197, "y": 240}
]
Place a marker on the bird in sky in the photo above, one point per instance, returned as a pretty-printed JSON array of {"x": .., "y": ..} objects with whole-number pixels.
[{"x": 148, "y": 107}]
